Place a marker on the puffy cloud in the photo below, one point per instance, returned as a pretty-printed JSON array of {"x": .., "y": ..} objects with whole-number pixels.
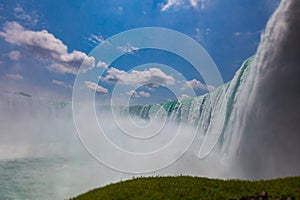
[
  {"x": 95, "y": 87},
  {"x": 16, "y": 34},
  {"x": 197, "y": 85},
  {"x": 102, "y": 64},
  {"x": 14, "y": 55},
  {"x": 135, "y": 77},
  {"x": 144, "y": 94},
  {"x": 61, "y": 69},
  {"x": 14, "y": 76},
  {"x": 61, "y": 83},
  {"x": 138, "y": 94},
  {"x": 176, "y": 3},
  {"x": 44, "y": 44}
]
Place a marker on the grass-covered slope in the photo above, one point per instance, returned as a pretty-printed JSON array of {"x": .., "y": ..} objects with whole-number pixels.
[{"x": 184, "y": 187}]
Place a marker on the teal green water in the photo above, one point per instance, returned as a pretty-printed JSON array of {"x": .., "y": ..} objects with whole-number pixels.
[
  {"x": 29, "y": 178},
  {"x": 44, "y": 178}
]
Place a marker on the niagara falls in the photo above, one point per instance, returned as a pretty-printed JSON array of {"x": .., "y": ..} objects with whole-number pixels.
[{"x": 104, "y": 94}]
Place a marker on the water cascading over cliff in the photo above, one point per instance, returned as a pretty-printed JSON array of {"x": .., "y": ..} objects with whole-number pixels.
[
  {"x": 256, "y": 115},
  {"x": 251, "y": 122}
]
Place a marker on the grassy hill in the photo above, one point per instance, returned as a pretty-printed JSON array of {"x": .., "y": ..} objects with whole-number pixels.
[{"x": 184, "y": 187}]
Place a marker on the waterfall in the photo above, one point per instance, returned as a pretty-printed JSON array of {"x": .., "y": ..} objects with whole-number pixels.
[
  {"x": 255, "y": 117},
  {"x": 269, "y": 102},
  {"x": 252, "y": 121}
]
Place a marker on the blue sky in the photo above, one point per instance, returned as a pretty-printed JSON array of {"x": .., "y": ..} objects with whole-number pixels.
[{"x": 44, "y": 42}]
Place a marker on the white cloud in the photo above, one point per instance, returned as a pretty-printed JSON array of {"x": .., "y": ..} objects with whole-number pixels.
[
  {"x": 31, "y": 19},
  {"x": 211, "y": 87},
  {"x": 171, "y": 3},
  {"x": 198, "y": 35},
  {"x": 184, "y": 3},
  {"x": 138, "y": 94},
  {"x": 62, "y": 69},
  {"x": 44, "y": 44},
  {"x": 152, "y": 86},
  {"x": 14, "y": 76},
  {"x": 144, "y": 94},
  {"x": 237, "y": 33},
  {"x": 95, "y": 87},
  {"x": 61, "y": 83},
  {"x": 137, "y": 78},
  {"x": 97, "y": 39},
  {"x": 102, "y": 64},
  {"x": 129, "y": 48},
  {"x": 195, "y": 84},
  {"x": 131, "y": 92},
  {"x": 183, "y": 96},
  {"x": 14, "y": 33},
  {"x": 14, "y": 55}
]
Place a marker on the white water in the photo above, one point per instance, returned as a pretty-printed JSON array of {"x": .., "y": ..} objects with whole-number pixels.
[{"x": 253, "y": 120}]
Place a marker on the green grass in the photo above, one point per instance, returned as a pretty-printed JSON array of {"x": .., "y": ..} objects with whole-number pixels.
[{"x": 184, "y": 187}]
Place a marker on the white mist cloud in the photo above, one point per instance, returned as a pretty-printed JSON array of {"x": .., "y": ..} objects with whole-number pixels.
[
  {"x": 47, "y": 46},
  {"x": 14, "y": 76},
  {"x": 95, "y": 87},
  {"x": 135, "y": 77}
]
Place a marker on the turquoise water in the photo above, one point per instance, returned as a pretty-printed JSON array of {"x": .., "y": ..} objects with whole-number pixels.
[
  {"x": 35, "y": 178},
  {"x": 50, "y": 178}
]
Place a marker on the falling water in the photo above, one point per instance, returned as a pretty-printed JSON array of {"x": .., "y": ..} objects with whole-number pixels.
[{"x": 247, "y": 128}]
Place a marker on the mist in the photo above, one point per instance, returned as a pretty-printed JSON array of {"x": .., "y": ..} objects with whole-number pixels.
[
  {"x": 39, "y": 139},
  {"x": 247, "y": 128},
  {"x": 270, "y": 144}
]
